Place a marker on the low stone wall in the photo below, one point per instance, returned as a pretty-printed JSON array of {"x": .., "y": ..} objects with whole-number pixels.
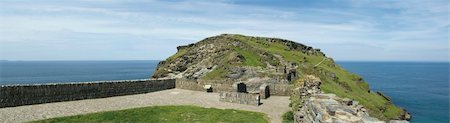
[
  {"x": 241, "y": 98},
  {"x": 197, "y": 85},
  {"x": 227, "y": 86},
  {"x": 280, "y": 89},
  {"x": 17, "y": 95}
]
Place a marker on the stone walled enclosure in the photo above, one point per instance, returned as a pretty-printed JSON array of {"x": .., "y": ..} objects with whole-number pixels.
[
  {"x": 241, "y": 98},
  {"x": 17, "y": 95},
  {"x": 225, "y": 86}
]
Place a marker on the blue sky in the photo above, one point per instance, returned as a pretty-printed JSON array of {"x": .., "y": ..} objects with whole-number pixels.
[{"x": 346, "y": 30}]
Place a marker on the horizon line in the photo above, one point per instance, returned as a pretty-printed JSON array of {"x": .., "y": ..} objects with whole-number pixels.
[{"x": 162, "y": 60}]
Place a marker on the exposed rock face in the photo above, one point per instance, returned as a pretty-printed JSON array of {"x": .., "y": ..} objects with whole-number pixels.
[
  {"x": 311, "y": 86},
  {"x": 317, "y": 107},
  {"x": 228, "y": 54},
  {"x": 328, "y": 108}
]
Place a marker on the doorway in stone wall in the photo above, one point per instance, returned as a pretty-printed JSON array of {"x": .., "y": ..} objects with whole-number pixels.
[
  {"x": 241, "y": 88},
  {"x": 266, "y": 92}
]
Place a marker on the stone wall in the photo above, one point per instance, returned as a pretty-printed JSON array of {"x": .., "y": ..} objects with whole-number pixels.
[
  {"x": 328, "y": 108},
  {"x": 197, "y": 85},
  {"x": 241, "y": 98},
  {"x": 17, "y": 95},
  {"x": 280, "y": 89},
  {"x": 227, "y": 86}
]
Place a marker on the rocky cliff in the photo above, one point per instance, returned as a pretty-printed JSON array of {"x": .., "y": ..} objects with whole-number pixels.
[{"x": 235, "y": 57}]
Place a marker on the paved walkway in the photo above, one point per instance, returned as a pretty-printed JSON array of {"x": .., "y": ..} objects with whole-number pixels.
[{"x": 274, "y": 107}]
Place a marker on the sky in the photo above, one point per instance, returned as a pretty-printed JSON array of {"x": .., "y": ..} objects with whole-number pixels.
[{"x": 346, "y": 30}]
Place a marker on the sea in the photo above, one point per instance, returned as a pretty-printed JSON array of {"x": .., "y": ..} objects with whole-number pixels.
[
  {"x": 422, "y": 88},
  {"x": 38, "y": 72}
]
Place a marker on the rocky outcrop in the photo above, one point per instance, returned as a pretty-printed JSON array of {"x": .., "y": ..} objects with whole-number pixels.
[
  {"x": 228, "y": 54},
  {"x": 318, "y": 107},
  {"x": 328, "y": 108}
]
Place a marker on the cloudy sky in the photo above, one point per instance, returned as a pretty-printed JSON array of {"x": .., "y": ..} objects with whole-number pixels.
[{"x": 346, "y": 30}]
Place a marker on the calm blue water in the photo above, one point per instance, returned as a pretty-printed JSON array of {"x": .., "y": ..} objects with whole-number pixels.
[
  {"x": 29, "y": 72},
  {"x": 421, "y": 88}
]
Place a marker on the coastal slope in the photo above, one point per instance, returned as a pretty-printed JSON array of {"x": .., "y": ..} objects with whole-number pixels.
[{"x": 237, "y": 57}]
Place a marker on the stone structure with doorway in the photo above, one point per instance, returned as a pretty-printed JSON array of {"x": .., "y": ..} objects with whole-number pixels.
[
  {"x": 248, "y": 91},
  {"x": 240, "y": 87},
  {"x": 264, "y": 91}
]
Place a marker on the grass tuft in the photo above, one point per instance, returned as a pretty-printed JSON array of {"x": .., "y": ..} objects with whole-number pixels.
[{"x": 288, "y": 117}]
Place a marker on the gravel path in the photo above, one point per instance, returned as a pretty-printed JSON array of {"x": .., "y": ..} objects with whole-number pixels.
[{"x": 274, "y": 107}]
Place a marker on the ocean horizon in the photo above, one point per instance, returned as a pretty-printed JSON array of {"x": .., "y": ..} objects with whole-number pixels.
[
  {"x": 422, "y": 88},
  {"x": 40, "y": 72}
]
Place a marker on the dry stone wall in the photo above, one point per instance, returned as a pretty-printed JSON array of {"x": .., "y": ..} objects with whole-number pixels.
[
  {"x": 197, "y": 85},
  {"x": 227, "y": 86},
  {"x": 280, "y": 89},
  {"x": 241, "y": 98},
  {"x": 317, "y": 107},
  {"x": 17, "y": 95}
]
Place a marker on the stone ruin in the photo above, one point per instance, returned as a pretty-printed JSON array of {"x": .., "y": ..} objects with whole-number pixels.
[
  {"x": 249, "y": 92},
  {"x": 261, "y": 89}
]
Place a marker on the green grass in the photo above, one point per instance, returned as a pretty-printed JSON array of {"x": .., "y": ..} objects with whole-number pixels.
[
  {"x": 358, "y": 91},
  {"x": 251, "y": 58},
  {"x": 346, "y": 85},
  {"x": 217, "y": 73},
  {"x": 178, "y": 54},
  {"x": 165, "y": 114},
  {"x": 288, "y": 117}
]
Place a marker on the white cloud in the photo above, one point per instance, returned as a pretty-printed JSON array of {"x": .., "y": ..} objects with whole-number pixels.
[{"x": 361, "y": 28}]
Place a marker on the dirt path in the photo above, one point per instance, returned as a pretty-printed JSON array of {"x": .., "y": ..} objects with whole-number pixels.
[
  {"x": 274, "y": 107},
  {"x": 320, "y": 62}
]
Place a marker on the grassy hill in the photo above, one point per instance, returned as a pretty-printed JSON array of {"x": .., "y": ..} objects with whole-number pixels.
[{"x": 239, "y": 57}]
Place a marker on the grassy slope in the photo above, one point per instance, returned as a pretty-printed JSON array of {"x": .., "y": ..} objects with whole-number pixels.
[
  {"x": 345, "y": 86},
  {"x": 219, "y": 72},
  {"x": 251, "y": 58},
  {"x": 171, "y": 59},
  {"x": 166, "y": 114}
]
